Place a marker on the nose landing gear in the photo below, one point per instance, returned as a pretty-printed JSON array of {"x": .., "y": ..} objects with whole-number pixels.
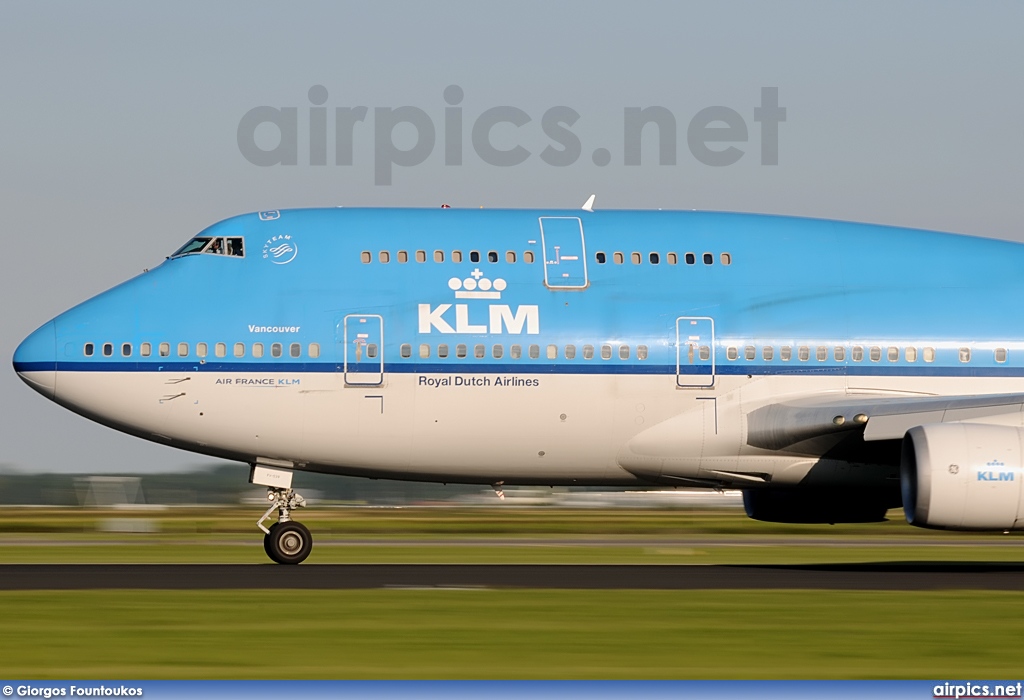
[{"x": 286, "y": 541}]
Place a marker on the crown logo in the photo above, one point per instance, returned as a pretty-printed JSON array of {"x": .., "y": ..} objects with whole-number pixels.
[{"x": 476, "y": 286}]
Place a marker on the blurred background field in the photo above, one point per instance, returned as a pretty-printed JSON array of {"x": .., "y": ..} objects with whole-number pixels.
[{"x": 210, "y": 517}]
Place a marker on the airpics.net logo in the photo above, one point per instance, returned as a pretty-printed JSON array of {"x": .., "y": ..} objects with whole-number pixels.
[{"x": 715, "y": 136}]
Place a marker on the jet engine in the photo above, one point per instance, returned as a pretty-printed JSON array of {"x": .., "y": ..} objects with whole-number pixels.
[{"x": 963, "y": 476}]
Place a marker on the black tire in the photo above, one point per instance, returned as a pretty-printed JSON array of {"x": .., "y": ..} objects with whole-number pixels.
[
  {"x": 289, "y": 543},
  {"x": 266, "y": 539}
]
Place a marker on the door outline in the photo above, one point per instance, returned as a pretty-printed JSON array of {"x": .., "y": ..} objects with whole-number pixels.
[
  {"x": 363, "y": 377},
  {"x": 554, "y": 257},
  {"x": 686, "y": 338}
]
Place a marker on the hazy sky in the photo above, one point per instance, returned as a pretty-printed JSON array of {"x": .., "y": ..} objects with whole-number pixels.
[{"x": 119, "y": 130}]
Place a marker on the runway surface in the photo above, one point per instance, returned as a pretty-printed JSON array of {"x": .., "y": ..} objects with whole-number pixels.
[{"x": 914, "y": 576}]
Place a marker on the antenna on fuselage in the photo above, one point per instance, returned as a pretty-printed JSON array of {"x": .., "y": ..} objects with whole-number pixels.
[{"x": 589, "y": 204}]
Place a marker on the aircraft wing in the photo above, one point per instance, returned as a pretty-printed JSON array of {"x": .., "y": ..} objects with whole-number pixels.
[{"x": 780, "y": 425}]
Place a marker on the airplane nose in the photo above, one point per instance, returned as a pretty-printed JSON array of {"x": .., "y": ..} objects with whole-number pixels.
[{"x": 35, "y": 360}]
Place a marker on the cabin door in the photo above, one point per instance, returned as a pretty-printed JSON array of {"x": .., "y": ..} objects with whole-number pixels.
[
  {"x": 362, "y": 339},
  {"x": 565, "y": 252},
  {"x": 695, "y": 352}
]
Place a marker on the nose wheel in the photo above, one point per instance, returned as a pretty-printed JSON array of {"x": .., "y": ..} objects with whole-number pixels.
[{"x": 286, "y": 541}]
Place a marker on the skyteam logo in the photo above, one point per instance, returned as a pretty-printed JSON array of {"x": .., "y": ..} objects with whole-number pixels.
[
  {"x": 280, "y": 249},
  {"x": 499, "y": 317},
  {"x": 995, "y": 471}
]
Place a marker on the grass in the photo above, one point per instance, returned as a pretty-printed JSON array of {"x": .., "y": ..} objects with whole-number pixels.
[{"x": 395, "y": 634}]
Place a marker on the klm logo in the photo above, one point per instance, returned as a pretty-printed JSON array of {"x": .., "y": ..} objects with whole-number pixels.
[
  {"x": 499, "y": 318},
  {"x": 992, "y": 475}
]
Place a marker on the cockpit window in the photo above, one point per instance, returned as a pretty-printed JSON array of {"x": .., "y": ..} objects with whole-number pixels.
[{"x": 213, "y": 246}]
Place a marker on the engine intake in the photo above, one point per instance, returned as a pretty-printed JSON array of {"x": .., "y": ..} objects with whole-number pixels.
[{"x": 963, "y": 476}]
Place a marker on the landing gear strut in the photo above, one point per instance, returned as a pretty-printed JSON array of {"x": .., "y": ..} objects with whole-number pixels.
[{"x": 286, "y": 541}]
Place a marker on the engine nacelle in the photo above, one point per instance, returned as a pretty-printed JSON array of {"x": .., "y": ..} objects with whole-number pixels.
[{"x": 963, "y": 476}]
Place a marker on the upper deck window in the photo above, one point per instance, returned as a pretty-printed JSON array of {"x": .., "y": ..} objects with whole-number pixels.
[{"x": 213, "y": 246}]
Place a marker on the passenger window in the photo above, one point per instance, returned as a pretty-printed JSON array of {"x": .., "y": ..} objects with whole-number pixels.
[
  {"x": 275, "y": 349},
  {"x": 704, "y": 352},
  {"x": 588, "y": 352},
  {"x": 257, "y": 349},
  {"x": 492, "y": 256},
  {"x": 240, "y": 350},
  {"x": 201, "y": 349},
  {"x": 803, "y": 353},
  {"x": 421, "y": 256},
  {"x": 709, "y": 259},
  {"x": 510, "y": 256},
  {"x": 1000, "y": 355},
  {"x": 145, "y": 349},
  {"x": 731, "y": 353},
  {"x": 126, "y": 350},
  {"x": 635, "y": 258},
  {"x": 295, "y": 350},
  {"x": 552, "y": 352},
  {"x": 857, "y": 354},
  {"x": 479, "y": 352},
  {"x": 726, "y": 258},
  {"x": 785, "y": 353},
  {"x": 314, "y": 350},
  {"x": 839, "y": 352},
  {"x": 442, "y": 351},
  {"x": 108, "y": 349},
  {"x": 497, "y": 351},
  {"x": 515, "y": 352},
  {"x": 606, "y": 352},
  {"x": 749, "y": 353},
  {"x": 654, "y": 259},
  {"x": 365, "y": 256},
  {"x": 403, "y": 256},
  {"x": 767, "y": 353},
  {"x": 618, "y": 257},
  {"x": 601, "y": 258},
  {"x": 439, "y": 256},
  {"x": 965, "y": 354},
  {"x": 691, "y": 258},
  {"x": 534, "y": 352},
  {"x": 821, "y": 354},
  {"x": 460, "y": 351},
  {"x": 384, "y": 256},
  {"x": 910, "y": 354},
  {"x": 875, "y": 354},
  {"x": 182, "y": 349},
  {"x": 405, "y": 350},
  {"x": 528, "y": 256},
  {"x": 672, "y": 258},
  {"x": 893, "y": 354},
  {"x": 424, "y": 351},
  {"x": 220, "y": 349},
  {"x": 474, "y": 256},
  {"x": 929, "y": 354},
  {"x": 641, "y": 352},
  {"x": 623, "y": 352},
  {"x": 371, "y": 351},
  {"x": 456, "y": 256},
  {"x": 570, "y": 352},
  {"x": 165, "y": 349}
]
